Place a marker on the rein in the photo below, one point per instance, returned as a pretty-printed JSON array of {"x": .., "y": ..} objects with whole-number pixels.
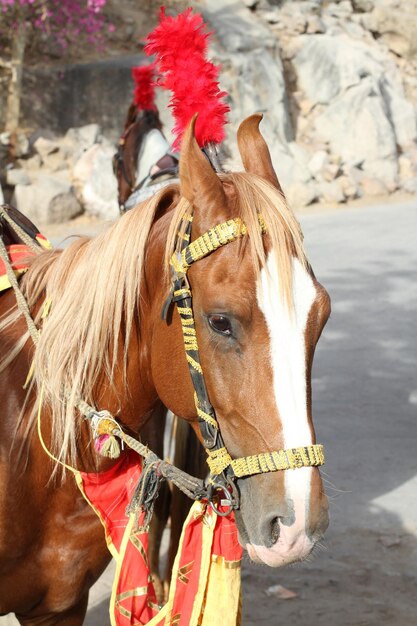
[
  {"x": 118, "y": 158},
  {"x": 223, "y": 469}
]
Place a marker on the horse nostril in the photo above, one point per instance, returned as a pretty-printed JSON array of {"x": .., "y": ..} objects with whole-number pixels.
[
  {"x": 271, "y": 526},
  {"x": 274, "y": 530},
  {"x": 274, "y": 527},
  {"x": 287, "y": 520}
]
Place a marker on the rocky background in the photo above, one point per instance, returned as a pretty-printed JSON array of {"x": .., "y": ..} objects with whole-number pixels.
[
  {"x": 58, "y": 178},
  {"x": 337, "y": 82},
  {"x": 340, "y": 79}
]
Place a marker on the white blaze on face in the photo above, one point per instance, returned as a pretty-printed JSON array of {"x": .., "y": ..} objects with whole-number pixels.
[
  {"x": 154, "y": 147},
  {"x": 288, "y": 360}
]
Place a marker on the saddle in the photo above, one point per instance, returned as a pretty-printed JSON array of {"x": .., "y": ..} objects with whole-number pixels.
[
  {"x": 164, "y": 172},
  {"x": 19, "y": 240}
]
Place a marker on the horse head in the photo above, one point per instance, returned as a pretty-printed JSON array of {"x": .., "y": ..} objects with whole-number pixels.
[{"x": 259, "y": 312}]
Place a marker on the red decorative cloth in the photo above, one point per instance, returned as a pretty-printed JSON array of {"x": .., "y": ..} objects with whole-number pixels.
[
  {"x": 133, "y": 598},
  {"x": 18, "y": 254},
  {"x": 206, "y": 575}
]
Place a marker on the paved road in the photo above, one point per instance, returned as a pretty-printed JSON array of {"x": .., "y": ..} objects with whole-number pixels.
[
  {"x": 365, "y": 376},
  {"x": 365, "y": 406}
]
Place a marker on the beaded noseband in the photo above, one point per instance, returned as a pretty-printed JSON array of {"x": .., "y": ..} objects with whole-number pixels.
[{"x": 224, "y": 470}]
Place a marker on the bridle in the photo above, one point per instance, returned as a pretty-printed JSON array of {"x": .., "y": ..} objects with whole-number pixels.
[
  {"x": 223, "y": 493},
  {"x": 118, "y": 158}
]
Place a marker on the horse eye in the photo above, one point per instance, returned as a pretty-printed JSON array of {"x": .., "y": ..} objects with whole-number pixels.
[{"x": 220, "y": 324}]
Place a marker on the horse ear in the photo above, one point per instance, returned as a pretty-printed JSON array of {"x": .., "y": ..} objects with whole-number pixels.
[
  {"x": 200, "y": 184},
  {"x": 254, "y": 151}
]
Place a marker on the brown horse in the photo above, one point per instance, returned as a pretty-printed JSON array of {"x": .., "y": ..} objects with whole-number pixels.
[
  {"x": 143, "y": 157},
  {"x": 259, "y": 313}
]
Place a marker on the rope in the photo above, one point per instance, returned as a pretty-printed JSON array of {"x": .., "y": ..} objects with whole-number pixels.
[{"x": 193, "y": 487}]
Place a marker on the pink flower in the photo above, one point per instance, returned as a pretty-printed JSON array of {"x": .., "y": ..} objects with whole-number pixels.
[{"x": 63, "y": 20}]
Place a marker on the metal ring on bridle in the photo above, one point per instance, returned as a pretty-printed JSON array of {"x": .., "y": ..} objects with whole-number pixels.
[{"x": 214, "y": 499}]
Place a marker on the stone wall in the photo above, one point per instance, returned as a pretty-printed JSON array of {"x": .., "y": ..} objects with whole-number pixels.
[
  {"x": 60, "y": 177},
  {"x": 337, "y": 82},
  {"x": 62, "y": 97}
]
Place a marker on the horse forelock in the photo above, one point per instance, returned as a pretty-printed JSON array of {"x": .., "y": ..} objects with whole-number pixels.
[{"x": 257, "y": 199}]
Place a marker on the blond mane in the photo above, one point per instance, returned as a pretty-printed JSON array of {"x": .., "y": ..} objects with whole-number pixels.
[{"x": 94, "y": 287}]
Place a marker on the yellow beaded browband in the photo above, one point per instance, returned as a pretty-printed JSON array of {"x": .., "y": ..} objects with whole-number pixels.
[{"x": 223, "y": 469}]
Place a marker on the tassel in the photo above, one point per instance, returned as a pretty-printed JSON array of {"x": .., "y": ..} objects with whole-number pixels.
[
  {"x": 105, "y": 442},
  {"x": 146, "y": 493},
  {"x": 180, "y": 46},
  {"x": 108, "y": 446}
]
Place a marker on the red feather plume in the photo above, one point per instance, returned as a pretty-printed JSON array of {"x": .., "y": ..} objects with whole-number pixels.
[
  {"x": 180, "y": 47},
  {"x": 144, "y": 93}
]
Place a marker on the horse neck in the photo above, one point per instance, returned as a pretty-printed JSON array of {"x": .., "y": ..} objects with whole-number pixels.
[
  {"x": 152, "y": 148},
  {"x": 133, "y": 395},
  {"x": 142, "y": 149}
]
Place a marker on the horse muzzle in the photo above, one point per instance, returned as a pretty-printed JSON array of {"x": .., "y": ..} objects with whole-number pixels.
[
  {"x": 280, "y": 521},
  {"x": 288, "y": 549}
]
